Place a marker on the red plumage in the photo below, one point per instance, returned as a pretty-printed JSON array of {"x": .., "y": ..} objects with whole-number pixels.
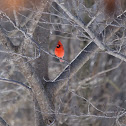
[{"x": 59, "y": 50}]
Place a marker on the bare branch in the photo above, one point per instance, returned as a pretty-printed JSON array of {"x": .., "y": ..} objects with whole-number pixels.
[
  {"x": 3, "y": 122},
  {"x": 88, "y": 79},
  {"x": 37, "y": 16},
  {"x": 38, "y": 115},
  {"x": 74, "y": 66},
  {"x": 94, "y": 38},
  {"x": 15, "y": 82},
  {"x": 43, "y": 97},
  {"x": 60, "y": 81}
]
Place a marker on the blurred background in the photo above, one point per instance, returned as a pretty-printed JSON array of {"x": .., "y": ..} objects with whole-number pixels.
[{"x": 95, "y": 96}]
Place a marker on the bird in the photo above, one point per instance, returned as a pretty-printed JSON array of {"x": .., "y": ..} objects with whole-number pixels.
[{"x": 59, "y": 51}]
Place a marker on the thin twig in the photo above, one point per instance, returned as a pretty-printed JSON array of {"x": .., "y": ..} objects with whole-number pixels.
[
  {"x": 3, "y": 122},
  {"x": 15, "y": 82},
  {"x": 98, "y": 41}
]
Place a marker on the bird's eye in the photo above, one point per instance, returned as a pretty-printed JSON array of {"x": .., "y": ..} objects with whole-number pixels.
[{"x": 58, "y": 46}]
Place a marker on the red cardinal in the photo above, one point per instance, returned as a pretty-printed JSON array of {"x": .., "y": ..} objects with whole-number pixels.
[{"x": 59, "y": 51}]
